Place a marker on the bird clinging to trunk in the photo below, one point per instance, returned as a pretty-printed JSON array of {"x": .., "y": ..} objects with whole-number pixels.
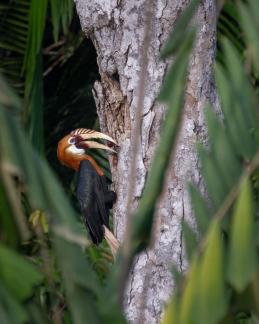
[{"x": 92, "y": 192}]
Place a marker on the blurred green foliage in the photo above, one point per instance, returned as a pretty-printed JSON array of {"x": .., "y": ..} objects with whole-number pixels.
[
  {"x": 48, "y": 270},
  {"x": 222, "y": 283}
]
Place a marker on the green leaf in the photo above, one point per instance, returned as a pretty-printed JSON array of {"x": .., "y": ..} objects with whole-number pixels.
[
  {"x": 240, "y": 85},
  {"x": 61, "y": 15},
  {"x": 32, "y": 68},
  {"x": 213, "y": 178},
  {"x": 55, "y": 17},
  {"x": 19, "y": 275},
  {"x": 171, "y": 313},
  {"x": 237, "y": 99},
  {"x": 180, "y": 30},
  {"x": 201, "y": 210},
  {"x": 8, "y": 231},
  {"x": 223, "y": 152},
  {"x": 189, "y": 307},
  {"x": 242, "y": 250},
  {"x": 229, "y": 27},
  {"x": 11, "y": 311},
  {"x": 8, "y": 98},
  {"x": 190, "y": 239},
  {"x": 34, "y": 112},
  {"x": 250, "y": 25},
  {"x": 167, "y": 92},
  {"x": 177, "y": 274},
  {"x": 212, "y": 296}
]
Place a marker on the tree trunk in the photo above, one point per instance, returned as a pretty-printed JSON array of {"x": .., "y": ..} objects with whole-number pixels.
[{"x": 116, "y": 28}]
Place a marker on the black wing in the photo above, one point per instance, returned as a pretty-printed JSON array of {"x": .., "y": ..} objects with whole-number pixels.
[{"x": 95, "y": 200}]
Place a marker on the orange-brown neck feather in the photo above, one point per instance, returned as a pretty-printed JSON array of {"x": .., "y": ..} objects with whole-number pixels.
[{"x": 73, "y": 160}]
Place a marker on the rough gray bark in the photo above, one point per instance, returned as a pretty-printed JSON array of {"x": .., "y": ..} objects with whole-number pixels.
[{"x": 116, "y": 28}]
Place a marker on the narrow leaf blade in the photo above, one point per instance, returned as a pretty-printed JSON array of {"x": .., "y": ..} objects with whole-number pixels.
[{"x": 242, "y": 251}]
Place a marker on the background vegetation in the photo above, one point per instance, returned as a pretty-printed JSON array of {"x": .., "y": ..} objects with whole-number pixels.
[{"x": 48, "y": 271}]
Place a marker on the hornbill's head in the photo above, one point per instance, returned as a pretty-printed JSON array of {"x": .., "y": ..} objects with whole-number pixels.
[{"x": 72, "y": 148}]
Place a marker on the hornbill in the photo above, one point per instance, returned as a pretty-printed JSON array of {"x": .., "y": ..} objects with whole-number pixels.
[{"x": 92, "y": 192}]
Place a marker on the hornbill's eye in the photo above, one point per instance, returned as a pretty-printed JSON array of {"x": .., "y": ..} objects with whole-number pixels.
[{"x": 72, "y": 140}]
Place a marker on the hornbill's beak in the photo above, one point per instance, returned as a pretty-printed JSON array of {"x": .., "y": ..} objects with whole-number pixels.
[{"x": 82, "y": 139}]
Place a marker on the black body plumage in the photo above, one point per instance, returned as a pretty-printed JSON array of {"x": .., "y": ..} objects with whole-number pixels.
[{"x": 95, "y": 200}]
